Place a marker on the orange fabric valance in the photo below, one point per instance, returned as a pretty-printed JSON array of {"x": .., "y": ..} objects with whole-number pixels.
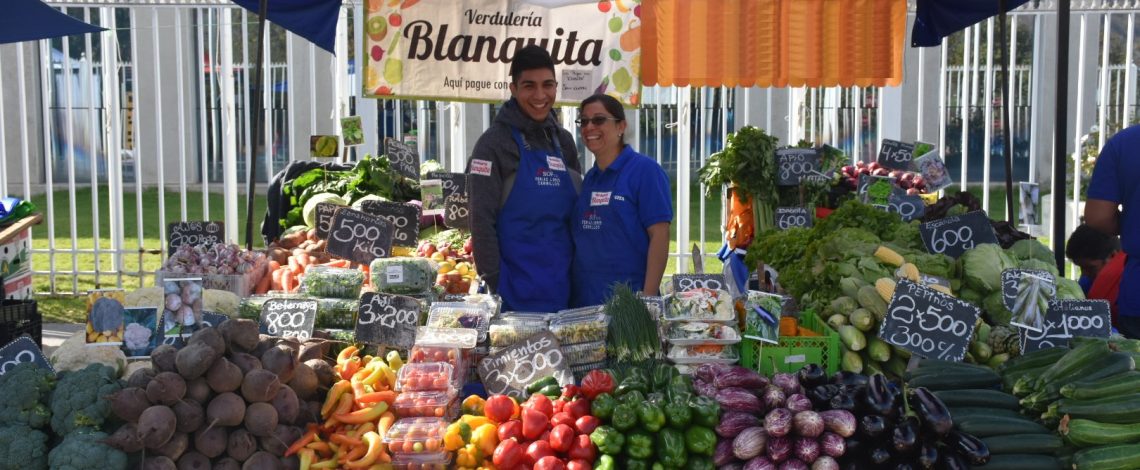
[{"x": 773, "y": 43}]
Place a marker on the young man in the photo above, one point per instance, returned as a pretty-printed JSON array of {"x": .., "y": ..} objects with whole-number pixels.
[
  {"x": 1113, "y": 186},
  {"x": 523, "y": 178},
  {"x": 1101, "y": 263}
]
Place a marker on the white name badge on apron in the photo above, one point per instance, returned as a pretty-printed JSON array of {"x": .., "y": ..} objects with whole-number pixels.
[
  {"x": 599, "y": 198},
  {"x": 555, "y": 163}
]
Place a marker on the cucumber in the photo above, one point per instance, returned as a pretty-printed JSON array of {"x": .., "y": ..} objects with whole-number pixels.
[
  {"x": 1073, "y": 361},
  {"x": 957, "y": 380},
  {"x": 1010, "y": 379},
  {"x": 1118, "y": 410},
  {"x": 1021, "y": 462},
  {"x": 981, "y": 397},
  {"x": 1125, "y": 383},
  {"x": 981, "y": 351},
  {"x": 937, "y": 367},
  {"x": 1034, "y": 360},
  {"x": 852, "y": 338},
  {"x": 1088, "y": 433},
  {"x": 1110, "y": 457},
  {"x": 878, "y": 349},
  {"x": 973, "y": 412},
  {"x": 1112, "y": 364},
  {"x": 1023, "y": 444},
  {"x": 896, "y": 365},
  {"x": 999, "y": 426}
]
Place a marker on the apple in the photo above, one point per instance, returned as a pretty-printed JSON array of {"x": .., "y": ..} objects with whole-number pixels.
[
  {"x": 377, "y": 28},
  {"x": 873, "y": 166},
  {"x": 441, "y": 279},
  {"x": 894, "y": 174},
  {"x": 912, "y": 192},
  {"x": 880, "y": 172},
  {"x": 468, "y": 246}
]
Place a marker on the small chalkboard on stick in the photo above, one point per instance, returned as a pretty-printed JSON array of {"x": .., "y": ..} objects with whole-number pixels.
[
  {"x": 684, "y": 282},
  {"x": 954, "y": 235},
  {"x": 403, "y": 157},
  {"x": 325, "y": 213},
  {"x": 23, "y": 349},
  {"x": 288, "y": 318},
  {"x": 194, "y": 233},
  {"x": 455, "y": 210},
  {"x": 1088, "y": 318},
  {"x": 1053, "y": 333},
  {"x": 895, "y": 155},
  {"x": 360, "y": 237},
  {"x": 509, "y": 371},
  {"x": 929, "y": 323},
  {"x": 788, "y": 217},
  {"x": 387, "y": 319},
  {"x": 405, "y": 219},
  {"x": 794, "y": 164},
  {"x": 909, "y": 207}
]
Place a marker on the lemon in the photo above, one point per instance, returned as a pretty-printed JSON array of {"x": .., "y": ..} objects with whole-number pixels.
[{"x": 393, "y": 71}]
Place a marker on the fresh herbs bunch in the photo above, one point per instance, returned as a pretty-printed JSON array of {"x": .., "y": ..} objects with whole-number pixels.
[{"x": 632, "y": 336}]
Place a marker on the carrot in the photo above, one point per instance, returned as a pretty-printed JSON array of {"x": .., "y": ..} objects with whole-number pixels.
[
  {"x": 337, "y": 263},
  {"x": 274, "y": 265},
  {"x": 263, "y": 285},
  {"x": 292, "y": 263},
  {"x": 288, "y": 284},
  {"x": 275, "y": 281},
  {"x": 304, "y": 259}
]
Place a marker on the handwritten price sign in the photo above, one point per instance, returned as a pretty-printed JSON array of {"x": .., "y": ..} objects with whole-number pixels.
[
  {"x": 193, "y": 233},
  {"x": 360, "y": 237},
  {"x": 509, "y": 371},
  {"x": 896, "y": 155},
  {"x": 404, "y": 158},
  {"x": 929, "y": 323},
  {"x": 793, "y": 165},
  {"x": 788, "y": 217},
  {"x": 684, "y": 282},
  {"x": 405, "y": 219},
  {"x": 387, "y": 319},
  {"x": 23, "y": 349},
  {"x": 288, "y": 318},
  {"x": 952, "y": 236}
]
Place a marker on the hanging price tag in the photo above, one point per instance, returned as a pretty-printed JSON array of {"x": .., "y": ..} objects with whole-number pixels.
[
  {"x": 929, "y": 323},
  {"x": 403, "y": 157}
]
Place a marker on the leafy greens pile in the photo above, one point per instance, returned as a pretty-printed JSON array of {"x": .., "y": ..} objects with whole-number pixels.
[{"x": 371, "y": 175}]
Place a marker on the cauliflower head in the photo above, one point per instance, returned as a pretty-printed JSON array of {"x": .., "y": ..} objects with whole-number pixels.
[
  {"x": 74, "y": 354},
  {"x": 221, "y": 301}
]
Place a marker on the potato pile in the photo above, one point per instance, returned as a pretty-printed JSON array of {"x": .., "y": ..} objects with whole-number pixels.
[{"x": 229, "y": 399}]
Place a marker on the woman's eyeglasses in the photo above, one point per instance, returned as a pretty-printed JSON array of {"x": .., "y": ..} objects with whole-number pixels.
[{"x": 596, "y": 120}]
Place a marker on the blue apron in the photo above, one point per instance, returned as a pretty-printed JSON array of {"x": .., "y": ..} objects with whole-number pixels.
[{"x": 535, "y": 248}]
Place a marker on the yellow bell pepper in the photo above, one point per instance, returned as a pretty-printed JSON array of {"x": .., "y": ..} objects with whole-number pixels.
[
  {"x": 456, "y": 436},
  {"x": 475, "y": 421},
  {"x": 468, "y": 456},
  {"x": 486, "y": 438},
  {"x": 473, "y": 405},
  {"x": 394, "y": 360}
]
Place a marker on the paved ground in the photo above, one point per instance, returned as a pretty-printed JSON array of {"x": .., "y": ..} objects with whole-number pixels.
[{"x": 54, "y": 334}]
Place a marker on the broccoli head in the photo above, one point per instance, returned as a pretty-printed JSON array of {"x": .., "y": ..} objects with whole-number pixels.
[
  {"x": 84, "y": 449},
  {"x": 78, "y": 400},
  {"x": 24, "y": 393},
  {"x": 22, "y": 447}
]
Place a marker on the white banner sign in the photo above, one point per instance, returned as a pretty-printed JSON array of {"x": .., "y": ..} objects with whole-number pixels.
[{"x": 449, "y": 50}]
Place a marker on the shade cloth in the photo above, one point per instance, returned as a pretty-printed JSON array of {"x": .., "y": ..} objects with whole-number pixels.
[
  {"x": 29, "y": 20},
  {"x": 314, "y": 20},
  {"x": 936, "y": 19}
]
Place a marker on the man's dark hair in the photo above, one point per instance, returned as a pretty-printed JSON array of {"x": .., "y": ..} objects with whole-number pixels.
[
  {"x": 1089, "y": 243},
  {"x": 529, "y": 58}
]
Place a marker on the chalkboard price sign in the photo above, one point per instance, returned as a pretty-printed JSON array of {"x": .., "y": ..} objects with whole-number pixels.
[
  {"x": 325, "y": 214},
  {"x": 403, "y": 157},
  {"x": 405, "y": 218},
  {"x": 895, "y": 155},
  {"x": 211, "y": 319},
  {"x": 288, "y": 318},
  {"x": 387, "y": 319},
  {"x": 794, "y": 164},
  {"x": 909, "y": 207},
  {"x": 1089, "y": 318},
  {"x": 23, "y": 349},
  {"x": 788, "y": 217},
  {"x": 1053, "y": 333},
  {"x": 194, "y": 233},
  {"x": 952, "y": 236},
  {"x": 929, "y": 323},
  {"x": 684, "y": 282},
  {"x": 456, "y": 209},
  {"x": 509, "y": 371},
  {"x": 360, "y": 237}
]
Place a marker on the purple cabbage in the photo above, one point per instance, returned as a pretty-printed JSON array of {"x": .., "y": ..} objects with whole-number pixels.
[
  {"x": 787, "y": 382},
  {"x": 806, "y": 448},
  {"x": 723, "y": 455},
  {"x": 741, "y": 377},
  {"x": 833, "y": 444},
  {"x": 778, "y": 422},
  {"x": 841, "y": 422},
  {"x": 760, "y": 463},
  {"x": 798, "y": 402},
  {"x": 825, "y": 463},
  {"x": 793, "y": 464},
  {"x": 779, "y": 448},
  {"x": 709, "y": 371},
  {"x": 774, "y": 397},
  {"x": 732, "y": 422},
  {"x": 808, "y": 424},
  {"x": 749, "y": 443},
  {"x": 738, "y": 399},
  {"x": 704, "y": 389}
]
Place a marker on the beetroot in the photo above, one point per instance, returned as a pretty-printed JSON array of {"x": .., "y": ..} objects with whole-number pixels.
[
  {"x": 126, "y": 439},
  {"x": 190, "y": 416},
  {"x": 156, "y": 426},
  {"x": 129, "y": 403}
]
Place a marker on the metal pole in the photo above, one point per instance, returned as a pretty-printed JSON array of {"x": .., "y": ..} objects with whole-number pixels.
[
  {"x": 251, "y": 160},
  {"x": 1006, "y": 107},
  {"x": 1061, "y": 126}
]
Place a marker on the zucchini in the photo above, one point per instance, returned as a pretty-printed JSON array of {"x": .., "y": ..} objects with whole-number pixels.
[
  {"x": 1111, "y": 457},
  {"x": 1010, "y": 379},
  {"x": 1021, "y": 462},
  {"x": 852, "y": 338},
  {"x": 981, "y": 397},
  {"x": 982, "y": 377},
  {"x": 1119, "y": 410},
  {"x": 1023, "y": 444},
  {"x": 971, "y": 412},
  {"x": 1088, "y": 433},
  {"x": 1034, "y": 360},
  {"x": 1111, "y": 364},
  {"x": 862, "y": 319},
  {"x": 851, "y": 361},
  {"x": 1073, "y": 361},
  {"x": 877, "y": 349},
  {"x": 1126, "y": 383},
  {"x": 999, "y": 426}
]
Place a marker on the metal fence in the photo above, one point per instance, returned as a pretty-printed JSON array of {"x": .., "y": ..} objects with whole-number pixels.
[{"x": 92, "y": 127}]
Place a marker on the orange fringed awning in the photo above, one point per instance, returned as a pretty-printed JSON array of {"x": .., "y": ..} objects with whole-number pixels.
[{"x": 773, "y": 43}]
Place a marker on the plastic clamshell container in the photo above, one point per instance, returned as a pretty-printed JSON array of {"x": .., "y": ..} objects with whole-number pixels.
[
  {"x": 416, "y": 436},
  {"x": 323, "y": 281},
  {"x": 585, "y": 353},
  {"x": 458, "y": 315},
  {"x": 581, "y": 311},
  {"x": 449, "y": 354},
  {"x": 581, "y": 370},
  {"x": 708, "y": 353},
  {"x": 701, "y": 305},
  {"x": 429, "y": 404},
  {"x": 506, "y": 331},
  {"x": 403, "y": 274},
  {"x": 462, "y": 338},
  {"x": 702, "y": 333},
  {"x": 425, "y": 376},
  {"x": 580, "y": 328},
  {"x": 491, "y": 303},
  {"x": 424, "y": 461},
  {"x": 337, "y": 313}
]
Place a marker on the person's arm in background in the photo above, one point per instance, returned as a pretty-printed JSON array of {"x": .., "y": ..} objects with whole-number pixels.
[
  {"x": 658, "y": 257},
  {"x": 1104, "y": 193},
  {"x": 485, "y": 191}
]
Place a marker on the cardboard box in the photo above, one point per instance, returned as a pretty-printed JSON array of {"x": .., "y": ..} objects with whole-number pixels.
[
  {"x": 16, "y": 255},
  {"x": 19, "y": 287}
]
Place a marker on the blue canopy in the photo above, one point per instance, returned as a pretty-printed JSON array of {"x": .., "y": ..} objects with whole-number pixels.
[
  {"x": 29, "y": 20},
  {"x": 314, "y": 20},
  {"x": 936, "y": 19}
]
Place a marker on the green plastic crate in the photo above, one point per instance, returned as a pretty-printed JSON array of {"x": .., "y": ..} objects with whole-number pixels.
[{"x": 794, "y": 352}]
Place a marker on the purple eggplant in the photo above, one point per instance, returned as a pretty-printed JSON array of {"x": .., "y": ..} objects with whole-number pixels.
[
  {"x": 723, "y": 454},
  {"x": 841, "y": 422},
  {"x": 842, "y": 401},
  {"x": 741, "y": 377},
  {"x": 708, "y": 371},
  {"x": 704, "y": 389},
  {"x": 798, "y": 402},
  {"x": 832, "y": 444},
  {"x": 872, "y": 426},
  {"x": 952, "y": 461},
  {"x": 774, "y": 397},
  {"x": 821, "y": 396},
  {"x": 931, "y": 411},
  {"x": 731, "y": 466},
  {"x": 760, "y": 463},
  {"x": 787, "y": 382},
  {"x": 849, "y": 378},
  {"x": 878, "y": 398},
  {"x": 808, "y": 424},
  {"x": 738, "y": 399},
  {"x": 749, "y": 443},
  {"x": 928, "y": 455},
  {"x": 904, "y": 466},
  {"x": 969, "y": 447},
  {"x": 793, "y": 464},
  {"x": 732, "y": 422},
  {"x": 812, "y": 375},
  {"x": 879, "y": 456},
  {"x": 778, "y": 422},
  {"x": 825, "y": 462},
  {"x": 779, "y": 448},
  {"x": 854, "y": 446},
  {"x": 806, "y": 448},
  {"x": 905, "y": 435}
]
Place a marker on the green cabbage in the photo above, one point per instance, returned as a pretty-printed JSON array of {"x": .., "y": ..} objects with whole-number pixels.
[
  {"x": 310, "y": 211},
  {"x": 1031, "y": 249},
  {"x": 1038, "y": 265},
  {"x": 1069, "y": 289},
  {"x": 982, "y": 267},
  {"x": 994, "y": 305}
]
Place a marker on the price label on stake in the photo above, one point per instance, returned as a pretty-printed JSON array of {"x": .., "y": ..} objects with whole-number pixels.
[
  {"x": 1053, "y": 333},
  {"x": 405, "y": 219},
  {"x": 360, "y": 237},
  {"x": 1011, "y": 285},
  {"x": 325, "y": 214},
  {"x": 793, "y": 165},
  {"x": 788, "y": 217},
  {"x": 403, "y": 157},
  {"x": 952, "y": 236},
  {"x": 288, "y": 318},
  {"x": 895, "y": 155},
  {"x": 193, "y": 233},
  {"x": 509, "y": 371},
  {"x": 22, "y": 349},
  {"x": 1088, "y": 318},
  {"x": 929, "y": 323},
  {"x": 684, "y": 282},
  {"x": 909, "y": 207},
  {"x": 387, "y": 319}
]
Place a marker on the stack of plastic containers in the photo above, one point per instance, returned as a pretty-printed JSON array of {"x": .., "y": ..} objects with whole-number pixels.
[
  {"x": 700, "y": 327},
  {"x": 582, "y": 332},
  {"x": 337, "y": 291},
  {"x": 471, "y": 313},
  {"x": 417, "y": 443}
]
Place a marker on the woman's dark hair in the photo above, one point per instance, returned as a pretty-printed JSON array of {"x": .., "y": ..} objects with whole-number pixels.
[
  {"x": 529, "y": 58},
  {"x": 612, "y": 106},
  {"x": 1089, "y": 243}
]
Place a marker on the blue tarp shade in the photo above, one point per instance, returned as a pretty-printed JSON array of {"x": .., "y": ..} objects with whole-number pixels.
[
  {"x": 314, "y": 20},
  {"x": 936, "y": 19},
  {"x": 30, "y": 20}
]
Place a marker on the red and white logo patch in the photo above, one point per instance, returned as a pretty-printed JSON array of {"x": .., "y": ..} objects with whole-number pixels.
[
  {"x": 599, "y": 198},
  {"x": 480, "y": 167},
  {"x": 555, "y": 163}
]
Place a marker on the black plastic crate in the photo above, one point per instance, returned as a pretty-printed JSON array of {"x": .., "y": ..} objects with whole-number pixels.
[{"x": 19, "y": 318}]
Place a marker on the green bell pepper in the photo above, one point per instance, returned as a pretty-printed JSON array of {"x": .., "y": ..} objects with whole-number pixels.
[
  {"x": 633, "y": 398},
  {"x": 706, "y": 411},
  {"x": 637, "y": 464},
  {"x": 700, "y": 462},
  {"x": 552, "y": 391},
  {"x": 608, "y": 440},
  {"x": 605, "y": 462},
  {"x": 651, "y": 416},
  {"x": 678, "y": 414},
  {"x": 656, "y": 397},
  {"x": 663, "y": 374},
  {"x": 537, "y": 385},
  {"x": 657, "y": 466},
  {"x": 625, "y": 417},
  {"x": 603, "y": 406},
  {"x": 639, "y": 445},
  {"x": 670, "y": 446},
  {"x": 632, "y": 382},
  {"x": 700, "y": 441}
]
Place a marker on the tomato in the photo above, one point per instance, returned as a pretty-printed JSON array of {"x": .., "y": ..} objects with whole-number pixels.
[
  {"x": 534, "y": 423},
  {"x": 561, "y": 438},
  {"x": 499, "y": 408},
  {"x": 537, "y": 450},
  {"x": 569, "y": 392},
  {"x": 540, "y": 403},
  {"x": 578, "y": 408},
  {"x": 582, "y": 449},
  {"x": 587, "y": 424},
  {"x": 508, "y": 454},
  {"x": 579, "y": 464},
  {"x": 562, "y": 418},
  {"x": 549, "y": 463},
  {"x": 559, "y": 405},
  {"x": 510, "y": 430}
]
